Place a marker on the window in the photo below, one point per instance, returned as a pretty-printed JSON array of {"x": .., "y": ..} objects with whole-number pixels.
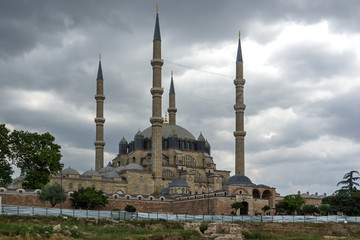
[
  {"x": 70, "y": 185},
  {"x": 136, "y": 190},
  {"x": 168, "y": 174},
  {"x": 145, "y": 190},
  {"x": 102, "y": 188},
  {"x": 141, "y": 178},
  {"x": 240, "y": 192},
  {"x": 127, "y": 197}
]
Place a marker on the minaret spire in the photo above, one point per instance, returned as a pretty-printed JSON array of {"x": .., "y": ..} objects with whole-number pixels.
[
  {"x": 172, "y": 108},
  {"x": 239, "y": 108},
  {"x": 99, "y": 119},
  {"x": 156, "y": 119}
]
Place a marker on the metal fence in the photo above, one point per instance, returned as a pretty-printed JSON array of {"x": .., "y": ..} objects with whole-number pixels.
[{"x": 119, "y": 215}]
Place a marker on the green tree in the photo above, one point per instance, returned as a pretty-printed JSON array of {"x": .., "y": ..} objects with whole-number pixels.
[
  {"x": 294, "y": 202},
  {"x": 52, "y": 193},
  {"x": 89, "y": 198},
  {"x": 5, "y": 166},
  {"x": 265, "y": 208},
  {"x": 349, "y": 181},
  {"x": 237, "y": 206},
  {"x": 324, "y": 209},
  {"x": 37, "y": 156},
  {"x": 309, "y": 209},
  {"x": 345, "y": 202}
]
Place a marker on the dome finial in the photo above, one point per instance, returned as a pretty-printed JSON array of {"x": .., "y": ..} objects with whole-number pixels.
[
  {"x": 166, "y": 121},
  {"x": 239, "y": 34},
  {"x": 99, "y": 56},
  {"x": 157, "y": 8},
  {"x": 171, "y": 73}
]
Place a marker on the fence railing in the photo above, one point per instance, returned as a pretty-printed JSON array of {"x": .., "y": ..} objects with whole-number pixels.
[{"x": 119, "y": 215}]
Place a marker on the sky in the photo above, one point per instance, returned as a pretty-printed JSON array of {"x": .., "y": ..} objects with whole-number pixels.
[{"x": 301, "y": 66}]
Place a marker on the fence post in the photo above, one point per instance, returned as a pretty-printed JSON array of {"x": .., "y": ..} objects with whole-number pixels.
[
  {"x": 157, "y": 216},
  {"x": 98, "y": 214},
  {"x": 33, "y": 211},
  {"x": 148, "y": 216},
  {"x": 222, "y": 218},
  {"x": 87, "y": 213},
  {"x": 18, "y": 210},
  {"x": 73, "y": 212},
  {"x": 46, "y": 211}
]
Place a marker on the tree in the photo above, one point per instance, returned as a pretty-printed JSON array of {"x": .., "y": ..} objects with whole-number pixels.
[
  {"x": 324, "y": 209},
  {"x": 345, "y": 202},
  {"x": 37, "y": 156},
  {"x": 265, "y": 208},
  {"x": 5, "y": 166},
  {"x": 349, "y": 181},
  {"x": 293, "y": 202},
  {"x": 309, "y": 209},
  {"x": 89, "y": 198},
  {"x": 52, "y": 193},
  {"x": 237, "y": 205}
]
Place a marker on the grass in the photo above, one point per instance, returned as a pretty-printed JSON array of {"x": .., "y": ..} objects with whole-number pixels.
[{"x": 38, "y": 227}]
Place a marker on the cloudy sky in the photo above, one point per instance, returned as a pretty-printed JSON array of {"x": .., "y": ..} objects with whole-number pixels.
[{"x": 301, "y": 65}]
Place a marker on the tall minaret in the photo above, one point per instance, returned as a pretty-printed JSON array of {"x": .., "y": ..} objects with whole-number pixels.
[
  {"x": 172, "y": 109},
  {"x": 156, "y": 119},
  {"x": 99, "y": 120},
  {"x": 239, "y": 107}
]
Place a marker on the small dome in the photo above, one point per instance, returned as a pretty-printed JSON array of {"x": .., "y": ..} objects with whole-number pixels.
[
  {"x": 90, "y": 173},
  {"x": 123, "y": 141},
  {"x": 119, "y": 169},
  {"x": 134, "y": 166},
  {"x": 69, "y": 170},
  {"x": 179, "y": 183},
  {"x": 111, "y": 175},
  {"x": 108, "y": 168},
  {"x": 238, "y": 179},
  {"x": 165, "y": 191}
]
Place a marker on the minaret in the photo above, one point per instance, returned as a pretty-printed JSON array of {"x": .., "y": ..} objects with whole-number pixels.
[
  {"x": 156, "y": 119},
  {"x": 239, "y": 107},
  {"x": 99, "y": 120},
  {"x": 172, "y": 109}
]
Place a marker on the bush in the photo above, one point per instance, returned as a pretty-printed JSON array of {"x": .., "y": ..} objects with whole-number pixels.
[
  {"x": 204, "y": 226},
  {"x": 130, "y": 208}
]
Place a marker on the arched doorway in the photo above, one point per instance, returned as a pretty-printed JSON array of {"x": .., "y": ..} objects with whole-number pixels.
[
  {"x": 245, "y": 209},
  {"x": 266, "y": 194}
]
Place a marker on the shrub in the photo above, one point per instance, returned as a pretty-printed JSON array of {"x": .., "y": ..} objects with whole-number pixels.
[{"x": 203, "y": 226}]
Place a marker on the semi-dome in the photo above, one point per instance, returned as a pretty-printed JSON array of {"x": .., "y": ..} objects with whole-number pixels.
[
  {"x": 170, "y": 129},
  {"x": 134, "y": 166},
  {"x": 111, "y": 175},
  {"x": 71, "y": 171},
  {"x": 238, "y": 179},
  {"x": 165, "y": 191},
  {"x": 179, "y": 183},
  {"x": 90, "y": 173},
  {"x": 108, "y": 168}
]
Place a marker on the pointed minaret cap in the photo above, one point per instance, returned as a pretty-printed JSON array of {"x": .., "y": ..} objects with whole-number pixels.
[
  {"x": 172, "y": 89},
  {"x": 123, "y": 141},
  {"x": 99, "y": 75},
  {"x": 239, "y": 54},
  {"x": 157, "y": 25},
  {"x": 201, "y": 137}
]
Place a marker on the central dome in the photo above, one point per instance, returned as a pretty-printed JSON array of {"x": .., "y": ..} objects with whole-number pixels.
[
  {"x": 238, "y": 179},
  {"x": 168, "y": 130}
]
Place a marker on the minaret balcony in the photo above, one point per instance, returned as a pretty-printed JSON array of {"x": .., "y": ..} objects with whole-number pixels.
[
  {"x": 239, "y": 82},
  {"x": 156, "y": 121},
  {"x": 240, "y": 107},
  {"x": 157, "y": 62},
  {"x": 99, "y": 143},
  {"x": 99, "y": 120},
  {"x": 239, "y": 133},
  {"x": 170, "y": 109},
  {"x": 157, "y": 91},
  {"x": 100, "y": 97}
]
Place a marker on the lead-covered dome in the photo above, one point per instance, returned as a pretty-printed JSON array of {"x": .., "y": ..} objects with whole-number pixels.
[
  {"x": 90, "y": 173},
  {"x": 133, "y": 166},
  {"x": 179, "y": 183},
  {"x": 168, "y": 130},
  {"x": 238, "y": 179},
  {"x": 108, "y": 168},
  {"x": 71, "y": 171}
]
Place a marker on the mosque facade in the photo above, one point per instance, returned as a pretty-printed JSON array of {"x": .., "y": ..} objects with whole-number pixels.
[{"x": 166, "y": 160}]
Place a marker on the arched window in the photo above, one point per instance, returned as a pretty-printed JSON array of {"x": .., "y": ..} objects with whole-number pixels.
[
  {"x": 70, "y": 185},
  {"x": 168, "y": 174},
  {"x": 198, "y": 177},
  {"x": 256, "y": 193},
  {"x": 141, "y": 178},
  {"x": 188, "y": 160},
  {"x": 266, "y": 194}
]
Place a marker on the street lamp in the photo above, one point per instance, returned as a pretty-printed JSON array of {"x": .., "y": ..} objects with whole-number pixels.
[
  {"x": 208, "y": 197},
  {"x": 61, "y": 176}
]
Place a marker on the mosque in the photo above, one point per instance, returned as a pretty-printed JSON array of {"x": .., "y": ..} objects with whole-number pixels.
[{"x": 165, "y": 159}]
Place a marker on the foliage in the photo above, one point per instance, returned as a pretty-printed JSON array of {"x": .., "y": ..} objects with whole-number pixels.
[
  {"x": 324, "y": 209},
  {"x": 349, "y": 181},
  {"x": 309, "y": 209},
  {"x": 6, "y": 170},
  {"x": 290, "y": 204},
  {"x": 345, "y": 202},
  {"x": 265, "y": 208},
  {"x": 204, "y": 226},
  {"x": 130, "y": 208},
  {"x": 36, "y": 155},
  {"x": 237, "y": 205},
  {"x": 89, "y": 198},
  {"x": 52, "y": 193}
]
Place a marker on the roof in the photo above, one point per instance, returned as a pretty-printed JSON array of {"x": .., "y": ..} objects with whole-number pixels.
[
  {"x": 157, "y": 28},
  {"x": 169, "y": 129},
  {"x": 119, "y": 169},
  {"x": 99, "y": 75},
  {"x": 111, "y": 175},
  {"x": 69, "y": 170},
  {"x": 179, "y": 183},
  {"x": 165, "y": 191},
  {"x": 201, "y": 137},
  {"x": 108, "y": 168},
  {"x": 238, "y": 179},
  {"x": 134, "y": 166},
  {"x": 90, "y": 173},
  {"x": 123, "y": 141},
  {"x": 239, "y": 53}
]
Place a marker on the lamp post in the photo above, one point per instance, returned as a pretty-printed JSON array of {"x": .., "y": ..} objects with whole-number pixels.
[
  {"x": 61, "y": 176},
  {"x": 208, "y": 197}
]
